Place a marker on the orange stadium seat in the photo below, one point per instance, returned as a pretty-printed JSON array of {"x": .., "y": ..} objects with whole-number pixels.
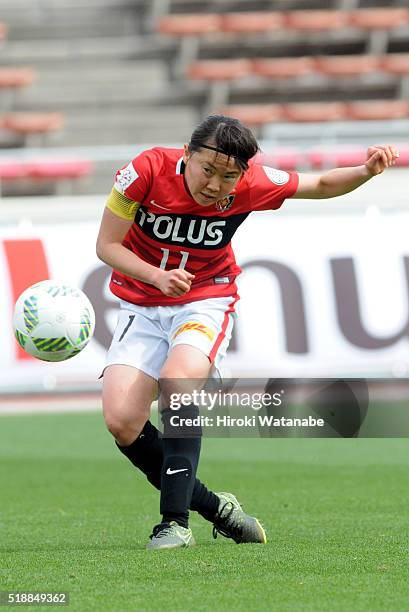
[
  {"x": 349, "y": 156},
  {"x": 379, "y": 19},
  {"x": 219, "y": 70},
  {"x": 12, "y": 170},
  {"x": 377, "y": 110},
  {"x": 59, "y": 169},
  {"x": 315, "y": 20},
  {"x": 397, "y": 63},
  {"x": 346, "y": 65},
  {"x": 33, "y": 123},
  {"x": 315, "y": 111},
  {"x": 253, "y": 22},
  {"x": 283, "y": 68},
  {"x": 3, "y": 31},
  {"x": 403, "y": 159},
  {"x": 254, "y": 114},
  {"x": 43, "y": 169},
  {"x": 340, "y": 156},
  {"x": 189, "y": 25},
  {"x": 285, "y": 158},
  {"x": 16, "y": 77}
]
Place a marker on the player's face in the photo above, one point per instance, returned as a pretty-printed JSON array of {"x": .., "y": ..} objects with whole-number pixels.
[{"x": 210, "y": 176}]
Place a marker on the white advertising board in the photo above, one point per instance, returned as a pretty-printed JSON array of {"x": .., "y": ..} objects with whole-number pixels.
[{"x": 322, "y": 295}]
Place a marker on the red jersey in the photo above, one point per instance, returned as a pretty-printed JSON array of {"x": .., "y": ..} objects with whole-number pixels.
[{"x": 171, "y": 230}]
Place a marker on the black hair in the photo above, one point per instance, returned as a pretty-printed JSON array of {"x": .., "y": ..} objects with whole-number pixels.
[{"x": 228, "y": 136}]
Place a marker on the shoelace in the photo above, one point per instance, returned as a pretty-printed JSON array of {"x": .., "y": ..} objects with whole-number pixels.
[
  {"x": 161, "y": 530},
  {"x": 220, "y": 519}
]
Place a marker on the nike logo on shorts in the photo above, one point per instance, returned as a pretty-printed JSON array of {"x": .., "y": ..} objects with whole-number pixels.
[{"x": 169, "y": 471}]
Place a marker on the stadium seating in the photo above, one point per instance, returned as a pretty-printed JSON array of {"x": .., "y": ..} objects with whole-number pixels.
[
  {"x": 11, "y": 170},
  {"x": 25, "y": 176},
  {"x": 285, "y": 158},
  {"x": 44, "y": 168},
  {"x": 254, "y": 114},
  {"x": 293, "y": 67},
  {"x": 58, "y": 169},
  {"x": 257, "y": 114},
  {"x": 219, "y": 70},
  {"x": 189, "y": 25},
  {"x": 379, "y": 19},
  {"x": 397, "y": 63},
  {"x": 283, "y": 68},
  {"x": 378, "y": 109},
  {"x": 268, "y": 21},
  {"x": 24, "y": 125},
  {"x": 16, "y": 77},
  {"x": 3, "y": 31},
  {"x": 252, "y": 23},
  {"x": 297, "y": 71},
  {"x": 28, "y": 129},
  {"x": 32, "y": 123},
  {"x": 316, "y": 20},
  {"x": 347, "y": 65},
  {"x": 332, "y": 157},
  {"x": 314, "y": 112},
  {"x": 328, "y": 157},
  {"x": 378, "y": 22}
]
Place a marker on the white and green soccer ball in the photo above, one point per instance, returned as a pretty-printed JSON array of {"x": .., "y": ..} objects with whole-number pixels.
[{"x": 53, "y": 322}]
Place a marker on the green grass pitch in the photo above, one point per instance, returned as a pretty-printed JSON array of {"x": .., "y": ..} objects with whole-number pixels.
[{"x": 75, "y": 516}]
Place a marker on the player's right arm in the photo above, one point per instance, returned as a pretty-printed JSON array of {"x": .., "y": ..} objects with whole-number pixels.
[{"x": 113, "y": 229}]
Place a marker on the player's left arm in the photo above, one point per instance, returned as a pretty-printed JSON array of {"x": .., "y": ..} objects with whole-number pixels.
[{"x": 339, "y": 181}]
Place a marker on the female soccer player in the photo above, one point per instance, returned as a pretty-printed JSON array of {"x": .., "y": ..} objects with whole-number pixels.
[{"x": 166, "y": 232}]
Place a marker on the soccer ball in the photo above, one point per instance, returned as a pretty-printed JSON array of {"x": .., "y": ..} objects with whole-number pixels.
[{"x": 53, "y": 322}]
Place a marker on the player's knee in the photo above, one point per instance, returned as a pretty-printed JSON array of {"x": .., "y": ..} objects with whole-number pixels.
[{"x": 124, "y": 432}]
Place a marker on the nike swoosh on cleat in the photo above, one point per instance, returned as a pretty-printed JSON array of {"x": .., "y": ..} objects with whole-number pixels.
[{"x": 169, "y": 471}]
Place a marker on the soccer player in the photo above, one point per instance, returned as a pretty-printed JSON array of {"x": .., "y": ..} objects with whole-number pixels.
[{"x": 166, "y": 231}]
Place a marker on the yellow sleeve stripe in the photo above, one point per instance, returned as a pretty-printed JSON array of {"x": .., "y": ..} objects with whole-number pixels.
[{"x": 122, "y": 206}]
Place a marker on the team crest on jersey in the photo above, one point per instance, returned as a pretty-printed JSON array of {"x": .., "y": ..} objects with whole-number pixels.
[{"x": 225, "y": 204}]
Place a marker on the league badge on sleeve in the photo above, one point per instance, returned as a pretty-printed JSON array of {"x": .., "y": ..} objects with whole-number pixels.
[
  {"x": 225, "y": 204},
  {"x": 278, "y": 177},
  {"x": 125, "y": 177}
]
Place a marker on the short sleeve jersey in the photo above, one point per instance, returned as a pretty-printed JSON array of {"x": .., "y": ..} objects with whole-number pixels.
[{"x": 171, "y": 230}]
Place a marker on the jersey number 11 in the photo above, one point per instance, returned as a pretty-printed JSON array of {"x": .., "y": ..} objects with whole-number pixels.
[{"x": 165, "y": 257}]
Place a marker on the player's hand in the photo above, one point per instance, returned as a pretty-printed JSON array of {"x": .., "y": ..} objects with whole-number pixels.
[
  {"x": 380, "y": 157},
  {"x": 174, "y": 283}
]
